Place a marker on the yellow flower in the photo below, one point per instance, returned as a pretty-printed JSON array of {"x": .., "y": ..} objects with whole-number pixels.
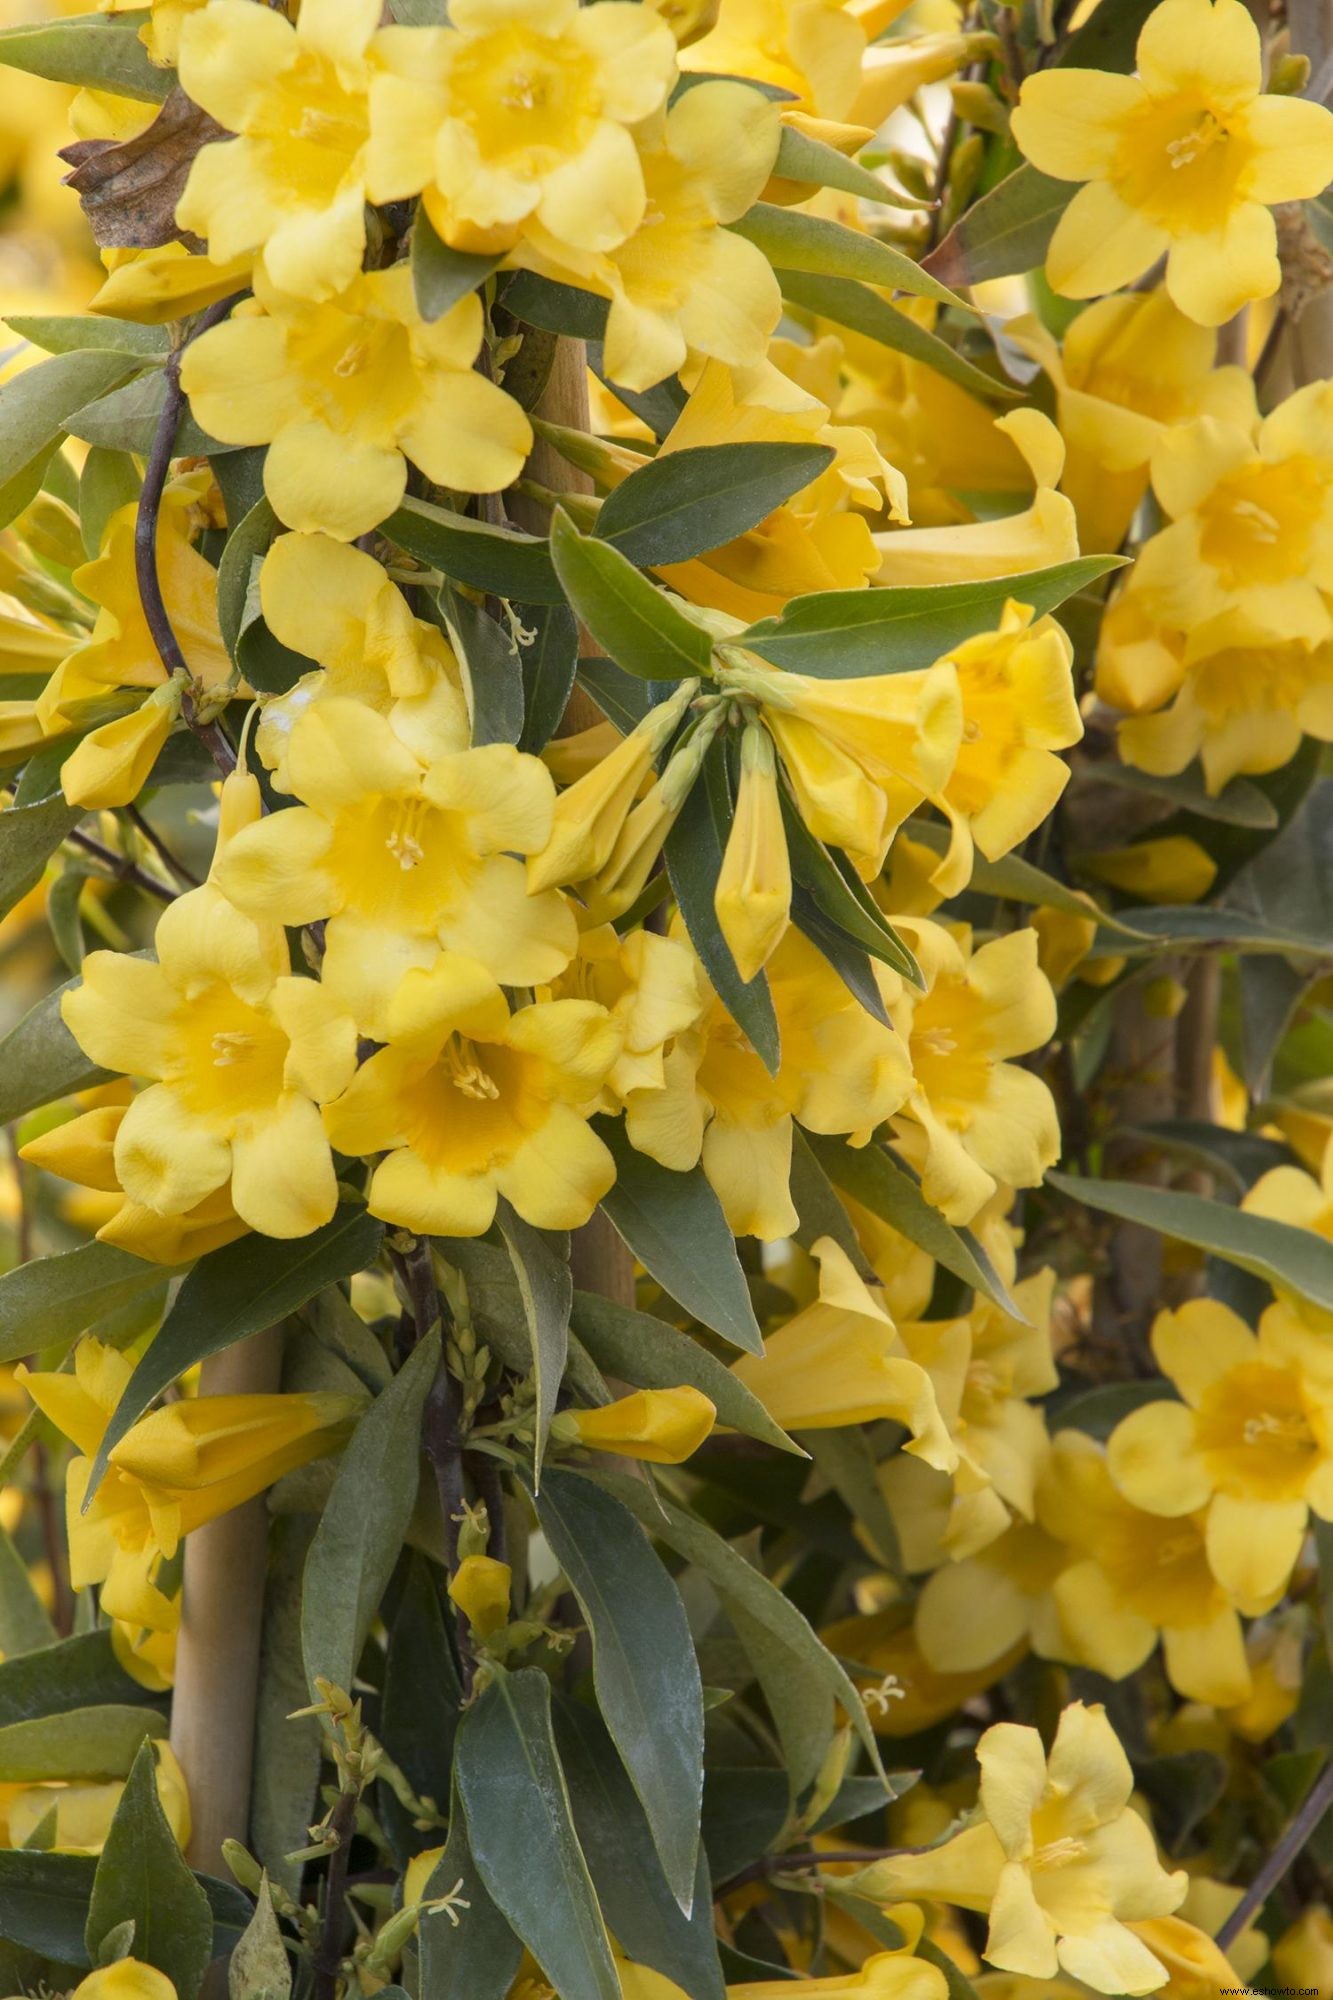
[
  {"x": 648, "y": 985},
  {"x": 913, "y": 1695},
  {"x": 752, "y": 898},
  {"x": 480, "y": 1589},
  {"x": 84, "y": 1812},
  {"x": 83, "y": 1150},
  {"x": 1196, "y": 1969},
  {"x": 336, "y": 605},
  {"x": 1251, "y": 1446},
  {"x": 160, "y": 33},
  {"x": 812, "y": 49},
  {"x": 154, "y": 286},
  {"x": 1042, "y": 535},
  {"x": 178, "y": 1467},
  {"x": 681, "y": 281},
  {"x": 126, "y": 1979},
  {"x": 973, "y": 1119},
  {"x": 1136, "y": 1577},
  {"x": 402, "y": 856},
  {"x": 111, "y": 764},
  {"x": 1170, "y": 869},
  {"x": 291, "y": 188},
  {"x": 1303, "y": 1955},
  {"x": 840, "y": 1071},
  {"x": 1250, "y": 534},
  {"x": 1057, "y": 1858},
  {"x": 1286, "y": 1194},
  {"x": 659, "y": 1426},
  {"x": 520, "y": 111},
  {"x": 591, "y": 812},
  {"x": 346, "y": 391},
  {"x": 888, "y": 1975},
  {"x": 240, "y": 1055},
  {"x": 894, "y": 71},
  {"x": 971, "y": 1614},
  {"x": 840, "y": 1361},
  {"x": 1185, "y": 158},
  {"x": 469, "y": 1102}
]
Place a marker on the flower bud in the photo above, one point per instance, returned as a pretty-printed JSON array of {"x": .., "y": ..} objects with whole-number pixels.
[
  {"x": 111, "y": 765},
  {"x": 660, "y": 1426},
  {"x": 591, "y": 812},
  {"x": 480, "y": 1589},
  {"x": 753, "y": 894}
]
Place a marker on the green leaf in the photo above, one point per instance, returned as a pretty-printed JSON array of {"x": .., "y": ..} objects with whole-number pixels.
[
  {"x": 232, "y": 1293},
  {"x": 686, "y": 502},
  {"x": 1110, "y": 42},
  {"x": 881, "y": 1183},
  {"x": 50, "y": 1302},
  {"x": 248, "y": 539},
  {"x": 694, "y": 849},
  {"x": 62, "y": 914},
  {"x": 142, "y": 1877},
  {"x": 845, "y": 1459},
  {"x": 423, "y": 1696},
  {"x": 546, "y": 1289},
  {"x": 441, "y": 276},
  {"x": 623, "y": 698},
  {"x": 44, "y": 1902},
  {"x": 798, "y": 1694},
  {"x": 857, "y": 307},
  {"x": 549, "y": 660},
  {"x": 674, "y": 1225},
  {"x": 95, "y": 51},
  {"x": 818, "y": 1209},
  {"x": 1295, "y": 1260},
  {"x": 29, "y": 836},
  {"x": 80, "y": 1672},
  {"x": 1238, "y": 804},
  {"x": 848, "y": 633},
  {"x": 652, "y": 1355},
  {"x": 500, "y": 561},
  {"x": 79, "y": 333},
  {"x": 738, "y": 1583},
  {"x": 801, "y": 158},
  {"x": 554, "y": 307},
  {"x": 110, "y": 479},
  {"x": 1192, "y": 925},
  {"x": 361, "y": 1530},
  {"x": 644, "y": 1668},
  {"x": 24, "y": 1624},
  {"x": 840, "y": 895},
  {"x": 522, "y": 1835},
  {"x": 1015, "y": 880},
  {"x": 40, "y": 1060},
  {"x": 476, "y": 1956},
  {"x": 83, "y": 1743},
  {"x": 288, "y": 1750},
  {"x": 641, "y": 1912},
  {"x": 629, "y": 617},
  {"x": 491, "y": 669},
  {"x": 1098, "y": 1411},
  {"x": 1005, "y": 234},
  {"x": 794, "y": 241},
  {"x": 259, "y": 1968},
  {"x": 128, "y": 419}
]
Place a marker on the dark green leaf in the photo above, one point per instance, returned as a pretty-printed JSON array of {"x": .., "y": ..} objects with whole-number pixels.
[
  {"x": 841, "y": 897},
  {"x": 62, "y": 914},
  {"x": 1005, "y": 234},
  {"x": 1108, "y": 42},
  {"x": 1294, "y": 1259},
  {"x": 845, "y": 1459},
  {"x": 79, "y": 333},
  {"x": 847, "y": 633},
  {"x": 127, "y": 419},
  {"x": 686, "y": 502},
  {"x": 1098, "y": 1411},
  {"x": 1183, "y": 1786},
  {"x": 24, "y": 1624},
  {"x": 80, "y": 1672},
  {"x": 364, "y": 1521},
  {"x": 522, "y": 1835},
  {"x": 287, "y": 1746},
  {"x": 549, "y": 660},
  {"x": 491, "y": 669},
  {"x": 675, "y": 1226},
  {"x": 50, "y": 1302},
  {"x": 142, "y": 1878},
  {"x": 554, "y": 307},
  {"x": 745, "y": 1812},
  {"x": 95, "y": 51},
  {"x": 422, "y": 1691},
  {"x": 629, "y": 617},
  {"x": 40, "y": 1061},
  {"x": 93, "y": 1743},
  {"x": 110, "y": 479},
  {"x": 546, "y": 1289},
  {"x": 477, "y": 1956},
  {"x": 441, "y": 276},
  {"x": 248, "y": 539},
  {"x": 623, "y": 698},
  {"x": 232, "y": 1293},
  {"x": 856, "y": 306},
  {"x": 44, "y": 1902},
  {"x": 500, "y": 561},
  {"x": 29, "y": 836},
  {"x": 818, "y": 1209},
  {"x": 644, "y": 1668},
  {"x": 851, "y": 964},
  {"x": 794, "y": 241},
  {"x": 1238, "y": 804}
]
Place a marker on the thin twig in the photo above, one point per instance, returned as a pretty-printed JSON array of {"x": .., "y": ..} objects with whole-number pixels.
[
  {"x": 122, "y": 867},
  {"x": 160, "y": 848},
  {"x": 328, "y": 1952},
  {"x": 787, "y": 1864},
  {"x": 1289, "y": 1847}
]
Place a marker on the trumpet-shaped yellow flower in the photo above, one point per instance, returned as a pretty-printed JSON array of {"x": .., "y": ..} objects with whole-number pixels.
[
  {"x": 590, "y": 813},
  {"x": 973, "y": 1119},
  {"x": 480, "y": 1589},
  {"x": 888, "y": 1975},
  {"x": 648, "y": 985},
  {"x": 239, "y": 1053},
  {"x": 971, "y": 1614},
  {"x": 1305, "y": 1201},
  {"x": 111, "y": 764},
  {"x": 840, "y": 1071},
  {"x": 914, "y": 1695},
  {"x": 125, "y": 1979},
  {"x": 520, "y": 111},
  {"x": 178, "y": 1467},
  {"x": 401, "y": 856},
  {"x": 84, "y": 1812},
  {"x": 1137, "y": 1577},
  {"x": 1183, "y": 159},
  {"x": 1043, "y": 534},
  {"x": 1170, "y": 869},
  {"x": 1251, "y": 1446},
  {"x": 752, "y": 898},
  {"x": 469, "y": 1102},
  {"x": 812, "y": 49},
  {"x": 840, "y": 1361},
  {"x": 154, "y": 286},
  {"x": 290, "y": 189},
  {"x": 1057, "y": 1858},
  {"x": 345, "y": 391},
  {"x": 658, "y": 1426},
  {"x": 336, "y": 605}
]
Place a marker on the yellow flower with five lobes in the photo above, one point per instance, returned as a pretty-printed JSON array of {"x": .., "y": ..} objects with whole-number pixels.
[
  {"x": 111, "y": 764},
  {"x": 402, "y": 857},
  {"x": 239, "y": 1054},
  {"x": 812, "y": 49},
  {"x": 84, "y": 1812},
  {"x": 649, "y": 985},
  {"x": 83, "y": 1150},
  {"x": 841, "y": 1070},
  {"x": 336, "y": 605},
  {"x": 1185, "y": 158},
  {"x": 1137, "y": 1577},
  {"x": 177, "y": 1468},
  {"x": 469, "y": 1102},
  {"x": 345, "y": 391},
  {"x": 840, "y": 1361},
  {"x": 1042, "y": 535},
  {"x": 1057, "y": 1858},
  {"x": 973, "y": 1119},
  {"x": 126, "y": 1979},
  {"x": 480, "y": 1588},
  {"x": 520, "y": 112},
  {"x": 658, "y": 1426},
  {"x": 1304, "y": 1201},
  {"x": 1250, "y": 1447},
  {"x": 1250, "y": 533},
  {"x": 290, "y": 189},
  {"x": 752, "y": 897}
]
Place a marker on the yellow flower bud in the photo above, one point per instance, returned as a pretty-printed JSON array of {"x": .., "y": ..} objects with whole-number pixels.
[
  {"x": 661, "y": 1426},
  {"x": 111, "y": 765},
  {"x": 753, "y": 894},
  {"x": 1174, "y": 869},
  {"x": 127, "y": 1979},
  {"x": 480, "y": 1589},
  {"x": 590, "y": 814}
]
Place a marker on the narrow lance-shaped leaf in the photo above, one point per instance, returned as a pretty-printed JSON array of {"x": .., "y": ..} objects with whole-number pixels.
[
  {"x": 629, "y": 617},
  {"x": 142, "y": 1878},
  {"x": 685, "y": 502},
  {"x": 499, "y": 560},
  {"x": 546, "y": 1288},
  {"x": 50, "y": 1302},
  {"x": 95, "y": 51},
  {"x": 1006, "y": 233},
  {"x": 864, "y": 311},
  {"x": 794, "y": 241},
  {"x": 442, "y": 276},
  {"x": 472, "y": 1954},
  {"x": 29, "y": 836},
  {"x": 89, "y": 1743}
]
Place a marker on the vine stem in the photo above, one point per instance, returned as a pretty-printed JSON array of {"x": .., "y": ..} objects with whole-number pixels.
[
  {"x": 1301, "y": 1830},
  {"x": 328, "y": 1955},
  {"x": 122, "y": 867}
]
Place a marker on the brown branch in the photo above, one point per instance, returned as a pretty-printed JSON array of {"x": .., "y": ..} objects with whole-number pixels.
[
  {"x": 1301, "y": 1830},
  {"x": 122, "y": 867},
  {"x": 159, "y": 846},
  {"x": 787, "y": 1864},
  {"x": 328, "y": 1953}
]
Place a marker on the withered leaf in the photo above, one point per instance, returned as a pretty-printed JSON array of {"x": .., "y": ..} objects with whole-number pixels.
[{"x": 129, "y": 188}]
